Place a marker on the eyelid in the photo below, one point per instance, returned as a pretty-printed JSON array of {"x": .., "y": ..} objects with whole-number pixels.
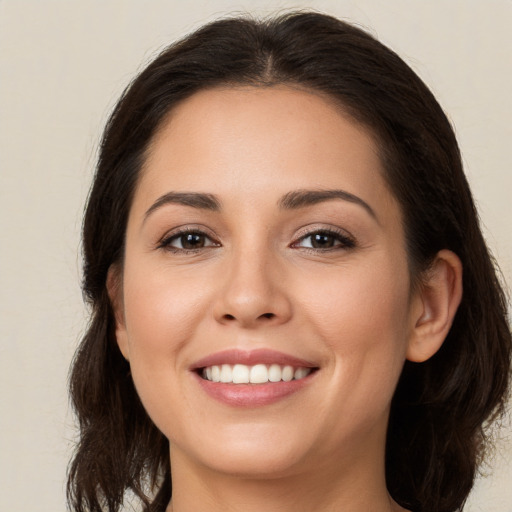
[
  {"x": 348, "y": 241},
  {"x": 164, "y": 241}
]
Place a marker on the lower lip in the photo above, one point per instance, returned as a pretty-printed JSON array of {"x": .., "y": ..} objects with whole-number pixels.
[{"x": 252, "y": 395}]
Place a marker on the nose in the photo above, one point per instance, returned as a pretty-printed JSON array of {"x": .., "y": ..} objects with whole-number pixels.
[{"x": 253, "y": 292}]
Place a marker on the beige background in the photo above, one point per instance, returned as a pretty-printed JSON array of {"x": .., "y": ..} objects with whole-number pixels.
[{"x": 63, "y": 64}]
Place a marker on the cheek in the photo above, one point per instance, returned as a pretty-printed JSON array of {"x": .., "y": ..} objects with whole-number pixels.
[
  {"x": 362, "y": 317},
  {"x": 159, "y": 306},
  {"x": 162, "y": 311},
  {"x": 354, "y": 301}
]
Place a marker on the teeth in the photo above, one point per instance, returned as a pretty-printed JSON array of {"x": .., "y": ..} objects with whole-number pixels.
[
  {"x": 240, "y": 374},
  {"x": 216, "y": 373},
  {"x": 274, "y": 373},
  {"x": 257, "y": 374},
  {"x": 287, "y": 373},
  {"x": 226, "y": 373},
  {"x": 300, "y": 373}
]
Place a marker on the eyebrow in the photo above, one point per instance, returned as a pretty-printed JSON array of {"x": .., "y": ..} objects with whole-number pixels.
[
  {"x": 193, "y": 199},
  {"x": 302, "y": 198},
  {"x": 290, "y": 201}
]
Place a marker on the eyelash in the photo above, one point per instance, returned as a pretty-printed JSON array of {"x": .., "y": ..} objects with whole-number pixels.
[
  {"x": 344, "y": 241},
  {"x": 165, "y": 243}
]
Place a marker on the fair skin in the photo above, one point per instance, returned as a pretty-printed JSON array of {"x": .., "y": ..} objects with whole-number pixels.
[{"x": 322, "y": 278}]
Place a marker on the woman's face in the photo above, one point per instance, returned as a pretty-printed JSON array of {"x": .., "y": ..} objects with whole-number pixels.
[{"x": 262, "y": 234}]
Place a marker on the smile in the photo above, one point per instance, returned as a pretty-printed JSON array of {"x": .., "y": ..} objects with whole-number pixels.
[
  {"x": 254, "y": 378},
  {"x": 257, "y": 374}
]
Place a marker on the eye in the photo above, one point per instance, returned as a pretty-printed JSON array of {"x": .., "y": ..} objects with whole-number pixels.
[
  {"x": 325, "y": 240},
  {"x": 185, "y": 241}
]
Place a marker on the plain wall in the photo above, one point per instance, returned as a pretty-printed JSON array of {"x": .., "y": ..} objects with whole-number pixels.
[{"x": 62, "y": 66}]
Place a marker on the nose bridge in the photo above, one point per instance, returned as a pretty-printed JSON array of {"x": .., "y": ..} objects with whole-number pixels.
[{"x": 253, "y": 291}]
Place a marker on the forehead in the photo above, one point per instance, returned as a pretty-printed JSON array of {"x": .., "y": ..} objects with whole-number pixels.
[{"x": 251, "y": 140}]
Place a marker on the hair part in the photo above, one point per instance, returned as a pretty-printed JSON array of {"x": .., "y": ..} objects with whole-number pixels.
[{"x": 436, "y": 436}]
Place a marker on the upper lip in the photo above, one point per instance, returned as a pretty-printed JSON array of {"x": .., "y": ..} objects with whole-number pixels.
[{"x": 252, "y": 357}]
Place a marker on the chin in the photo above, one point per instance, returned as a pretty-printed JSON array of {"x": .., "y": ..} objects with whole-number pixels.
[
  {"x": 260, "y": 453},
  {"x": 259, "y": 466}
]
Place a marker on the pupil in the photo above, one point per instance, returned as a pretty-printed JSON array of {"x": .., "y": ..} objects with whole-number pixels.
[
  {"x": 192, "y": 241},
  {"x": 322, "y": 240}
]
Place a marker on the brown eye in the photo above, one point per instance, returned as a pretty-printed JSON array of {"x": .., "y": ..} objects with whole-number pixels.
[
  {"x": 322, "y": 240},
  {"x": 187, "y": 241},
  {"x": 192, "y": 241},
  {"x": 325, "y": 240}
]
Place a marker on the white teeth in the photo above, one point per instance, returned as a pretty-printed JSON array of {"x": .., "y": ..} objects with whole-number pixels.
[
  {"x": 300, "y": 373},
  {"x": 226, "y": 374},
  {"x": 240, "y": 374},
  {"x": 287, "y": 373},
  {"x": 274, "y": 373},
  {"x": 257, "y": 374},
  {"x": 216, "y": 373}
]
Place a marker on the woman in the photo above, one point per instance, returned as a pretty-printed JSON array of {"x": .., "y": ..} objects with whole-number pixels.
[{"x": 292, "y": 302}]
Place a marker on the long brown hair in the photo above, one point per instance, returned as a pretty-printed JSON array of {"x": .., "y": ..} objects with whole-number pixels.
[{"x": 436, "y": 437}]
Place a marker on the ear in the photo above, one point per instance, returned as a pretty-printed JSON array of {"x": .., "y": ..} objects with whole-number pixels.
[
  {"x": 435, "y": 305},
  {"x": 115, "y": 294}
]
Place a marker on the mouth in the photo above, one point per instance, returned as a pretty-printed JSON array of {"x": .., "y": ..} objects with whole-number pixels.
[
  {"x": 255, "y": 374},
  {"x": 249, "y": 379}
]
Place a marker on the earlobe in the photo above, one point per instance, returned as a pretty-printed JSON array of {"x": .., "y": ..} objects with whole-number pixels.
[
  {"x": 438, "y": 297},
  {"x": 115, "y": 294}
]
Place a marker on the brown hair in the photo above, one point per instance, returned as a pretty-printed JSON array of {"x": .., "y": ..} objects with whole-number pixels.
[{"x": 436, "y": 436}]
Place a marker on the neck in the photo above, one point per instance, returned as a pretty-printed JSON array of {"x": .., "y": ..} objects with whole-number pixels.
[{"x": 357, "y": 486}]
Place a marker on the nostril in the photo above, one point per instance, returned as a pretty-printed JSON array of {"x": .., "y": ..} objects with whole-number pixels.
[{"x": 229, "y": 317}]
